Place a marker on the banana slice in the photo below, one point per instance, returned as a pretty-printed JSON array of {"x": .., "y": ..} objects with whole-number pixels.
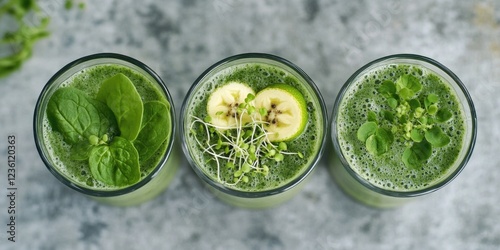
[
  {"x": 286, "y": 109},
  {"x": 223, "y": 103}
]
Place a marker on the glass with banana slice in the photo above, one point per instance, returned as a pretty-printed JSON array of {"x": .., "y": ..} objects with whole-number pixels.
[{"x": 253, "y": 128}]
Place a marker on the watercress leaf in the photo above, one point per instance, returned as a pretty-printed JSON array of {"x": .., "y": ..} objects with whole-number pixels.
[
  {"x": 387, "y": 88},
  {"x": 416, "y": 135},
  {"x": 76, "y": 116},
  {"x": 423, "y": 120},
  {"x": 443, "y": 115},
  {"x": 366, "y": 130},
  {"x": 414, "y": 103},
  {"x": 409, "y": 82},
  {"x": 372, "y": 117},
  {"x": 392, "y": 102},
  {"x": 430, "y": 120},
  {"x": 423, "y": 150},
  {"x": 437, "y": 137},
  {"x": 156, "y": 128},
  {"x": 417, "y": 154},
  {"x": 427, "y": 103},
  {"x": 372, "y": 145},
  {"x": 376, "y": 145},
  {"x": 386, "y": 136},
  {"x": 403, "y": 119},
  {"x": 81, "y": 150},
  {"x": 121, "y": 96},
  {"x": 389, "y": 116},
  {"x": 432, "y": 109},
  {"x": 116, "y": 164},
  {"x": 432, "y": 98},
  {"x": 406, "y": 93}
]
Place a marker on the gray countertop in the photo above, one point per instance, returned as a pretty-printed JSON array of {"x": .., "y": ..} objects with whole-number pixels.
[{"x": 329, "y": 40}]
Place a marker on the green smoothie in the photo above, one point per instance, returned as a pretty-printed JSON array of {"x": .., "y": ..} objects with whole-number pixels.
[
  {"x": 243, "y": 145},
  {"x": 401, "y": 128},
  {"x": 106, "y": 131}
]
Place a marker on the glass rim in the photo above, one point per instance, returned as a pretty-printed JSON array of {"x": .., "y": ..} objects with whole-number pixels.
[
  {"x": 265, "y": 193},
  {"x": 470, "y": 144},
  {"x": 102, "y": 56}
]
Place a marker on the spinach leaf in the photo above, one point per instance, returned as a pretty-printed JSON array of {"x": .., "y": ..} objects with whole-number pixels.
[
  {"x": 115, "y": 164},
  {"x": 81, "y": 150},
  {"x": 77, "y": 116},
  {"x": 121, "y": 96},
  {"x": 156, "y": 128}
]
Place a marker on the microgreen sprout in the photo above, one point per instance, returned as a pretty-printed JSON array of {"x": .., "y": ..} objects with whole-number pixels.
[
  {"x": 410, "y": 119},
  {"x": 244, "y": 148}
]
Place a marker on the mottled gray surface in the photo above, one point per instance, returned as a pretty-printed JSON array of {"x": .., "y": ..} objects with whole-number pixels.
[{"x": 329, "y": 40}]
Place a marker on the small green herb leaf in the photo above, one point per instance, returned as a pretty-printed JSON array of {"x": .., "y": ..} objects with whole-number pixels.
[
  {"x": 392, "y": 102},
  {"x": 121, "y": 96},
  {"x": 116, "y": 164},
  {"x": 379, "y": 142},
  {"x": 250, "y": 97},
  {"x": 376, "y": 145},
  {"x": 443, "y": 115},
  {"x": 372, "y": 145},
  {"x": 415, "y": 156},
  {"x": 77, "y": 116},
  {"x": 416, "y": 135},
  {"x": 403, "y": 119},
  {"x": 372, "y": 117},
  {"x": 432, "y": 109},
  {"x": 410, "y": 159},
  {"x": 366, "y": 130},
  {"x": 432, "y": 98},
  {"x": 281, "y": 146},
  {"x": 389, "y": 116},
  {"x": 408, "y": 82},
  {"x": 387, "y": 88},
  {"x": 155, "y": 129},
  {"x": 406, "y": 93},
  {"x": 437, "y": 137},
  {"x": 414, "y": 104},
  {"x": 386, "y": 136}
]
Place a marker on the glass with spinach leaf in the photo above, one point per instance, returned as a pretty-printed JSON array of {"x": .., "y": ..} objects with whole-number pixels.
[
  {"x": 253, "y": 128},
  {"x": 402, "y": 126},
  {"x": 104, "y": 125}
]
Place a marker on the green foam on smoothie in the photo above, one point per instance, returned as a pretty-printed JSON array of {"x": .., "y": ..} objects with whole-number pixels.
[
  {"x": 387, "y": 171},
  {"x": 258, "y": 77}
]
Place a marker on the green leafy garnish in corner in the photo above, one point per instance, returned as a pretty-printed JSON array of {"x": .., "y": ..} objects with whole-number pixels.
[
  {"x": 155, "y": 129},
  {"x": 27, "y": 24},
  {"x": 26, "y": 33},
  {"x": 410, "y": 118},
  {"x": 97, "y": 136}
]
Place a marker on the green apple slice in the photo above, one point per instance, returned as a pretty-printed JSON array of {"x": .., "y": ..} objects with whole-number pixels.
[
  {"x": 222, "y": 105},
  {"x": 286, "y": 111}
]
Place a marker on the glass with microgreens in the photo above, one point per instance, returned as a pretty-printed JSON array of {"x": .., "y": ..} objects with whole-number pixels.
[
  {"x": 104, "y": 125},
  {"x": 253, "y": 128},
  {"x": 403, "y": 126}
]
